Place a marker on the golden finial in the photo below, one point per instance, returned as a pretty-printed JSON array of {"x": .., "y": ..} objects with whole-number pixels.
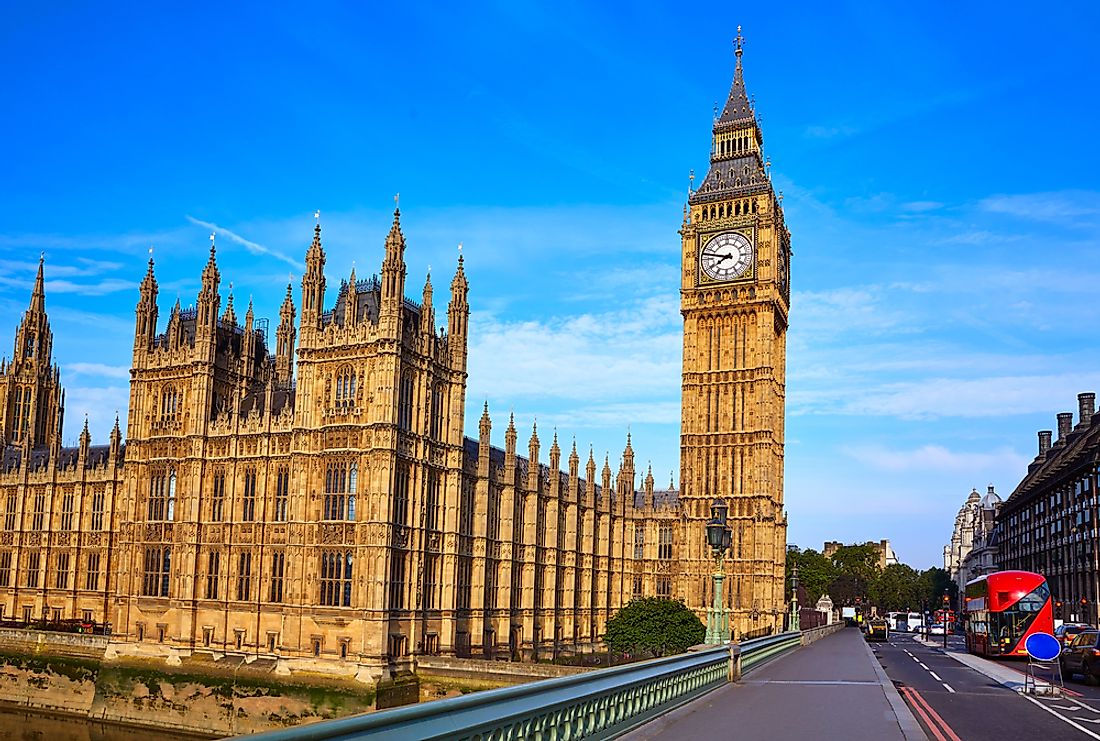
[{"x": 738, "y": 42}]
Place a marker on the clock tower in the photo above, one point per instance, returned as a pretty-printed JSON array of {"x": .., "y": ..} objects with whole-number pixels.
[{"x": 735, "y": 293}]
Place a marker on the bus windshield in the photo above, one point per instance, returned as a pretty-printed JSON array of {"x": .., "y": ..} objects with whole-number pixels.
[{"x": 1014, "y": 621}]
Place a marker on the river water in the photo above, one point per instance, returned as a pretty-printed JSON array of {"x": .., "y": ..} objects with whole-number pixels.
[{"x": 24, "y": 725}]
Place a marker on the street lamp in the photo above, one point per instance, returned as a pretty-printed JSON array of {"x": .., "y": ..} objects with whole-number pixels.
[
  {"x": 794, "y": 622},
  {"x": 719, "y": 538}
]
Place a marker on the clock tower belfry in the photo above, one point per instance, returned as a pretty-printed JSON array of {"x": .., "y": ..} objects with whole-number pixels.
[{"x": 735, "y": 293}]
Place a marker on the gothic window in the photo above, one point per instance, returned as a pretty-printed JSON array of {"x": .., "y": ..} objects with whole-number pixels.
[
  {"x": 22, "y": 413},
  {"x": 345, "y": 388},
  {"x": 664, "y": 546},
  {"x": 338, "y": 502},
  {"x": 431, "y": 506},
  {"x": 9, "y": 513},
  {"x": 404, "y": 405},
  {"x": 169, "y": 404},
  {"x": 91, "y": 575},
  {"x": 217, "y": 498},
  {"x": 158, "y": 565},
  {"x": 5, "y": 568},
  {"x": 278, "y": 569},
  {"x": 639, "y": 541},
  {"x": 28, "y": 347},
  {"x": 401, "y": 495},
  {"x": 161, "y": 505},
  {"x": 67, "y": 511},
  {"x": 34, "y": 563},
  {"x": 664, "y": 587},
  {"x": 97, "y": 510},
  {"x": 437, "y": 412},
  {"x": 62, "y": 578},
  {"x": 39, "y": 518},
  {"x": 213, "y": 574},
  {"x": 397, "y": 580},
  {"x": 282, "y": 491},
  {"x": 248, "y": 499},
  {"x": 336, "y": 579},
  {"x": 637, "y": 586},
  {"x": 431, "y": 579},
  {"x": 244, "y": 577}
]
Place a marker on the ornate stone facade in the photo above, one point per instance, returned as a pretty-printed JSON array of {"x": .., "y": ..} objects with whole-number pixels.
[
  {"x": 735, "y": 293},
  {"x": 310, "y": 496}
]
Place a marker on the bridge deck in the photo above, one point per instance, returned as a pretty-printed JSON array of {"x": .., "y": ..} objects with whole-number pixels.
[{"x": 833, "y": 688}]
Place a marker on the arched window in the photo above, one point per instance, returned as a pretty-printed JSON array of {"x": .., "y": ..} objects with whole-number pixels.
[
  {"x": 169, "y": 404},
  {"x": 437, "y": 412},
  {"x": 161, "y": 504},
  {"x": 405, "y": 403},
  {"x": 338, "y": 500},
  {"x": 345, "y": 388}
]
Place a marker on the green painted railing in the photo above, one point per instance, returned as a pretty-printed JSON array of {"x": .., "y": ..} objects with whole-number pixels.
[{"x": 600, "y": 704}]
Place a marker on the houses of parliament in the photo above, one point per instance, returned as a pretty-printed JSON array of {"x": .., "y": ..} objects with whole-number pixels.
[{"x": 309, "y": 496}]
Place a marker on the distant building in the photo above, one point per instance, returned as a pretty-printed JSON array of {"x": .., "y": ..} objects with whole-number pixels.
[
  {"x": 1049, "y": 523},
  {"x": 973, "y": 547},
  {"x": 886, "y": 555}
]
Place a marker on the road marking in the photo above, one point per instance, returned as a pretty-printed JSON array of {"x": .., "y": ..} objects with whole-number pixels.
[
  {"x": 947, "y": 687},
  {"x": 936, "y": 676},
  {"x": 1076, "y": 725},
  {"x": 924, "y": 666},
  {"x": 940, "y": 724},
  {"x": 923, "y": 716}
]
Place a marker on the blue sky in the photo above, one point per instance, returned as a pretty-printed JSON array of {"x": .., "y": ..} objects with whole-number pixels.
[{"x": 938, "y": 165}]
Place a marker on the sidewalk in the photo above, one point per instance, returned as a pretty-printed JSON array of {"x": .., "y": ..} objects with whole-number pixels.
[{"x": 834, "y": 688}]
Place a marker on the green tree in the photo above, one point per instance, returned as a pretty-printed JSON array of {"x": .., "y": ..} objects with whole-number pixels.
[
  {"x": 654, "y": 625},
  {"x": 898, "y": 587},
  {"x": 856, "y": 570},
  {"x": 815, "y": 573}
]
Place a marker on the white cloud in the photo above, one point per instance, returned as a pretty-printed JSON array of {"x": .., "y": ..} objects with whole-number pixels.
[
  {"x": 934, "y": 457},
  {"x": 98, "y": 369},
  {"x": 1072, "y": 206},
  {"x": 252, "y": 247}
]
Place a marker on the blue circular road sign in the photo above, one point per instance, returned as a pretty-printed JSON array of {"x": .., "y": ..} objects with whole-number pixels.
[{"x": 1042, "y": 647}]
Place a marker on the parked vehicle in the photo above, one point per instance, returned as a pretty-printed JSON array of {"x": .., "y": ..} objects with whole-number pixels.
[
  {"x": 936, "y": 629},
  {"x": 1082, "y": 656},
  {"x": 1066, "y": 632}
]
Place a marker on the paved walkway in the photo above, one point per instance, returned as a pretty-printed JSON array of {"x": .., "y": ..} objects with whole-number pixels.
[{"x": 834, "y": 688}]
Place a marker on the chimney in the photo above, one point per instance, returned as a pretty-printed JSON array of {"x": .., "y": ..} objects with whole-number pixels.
[
  {"x": 1065, "y": 424},
  {"x": 1086, "y": 404},
  {"x": 1044, "y": 442}
]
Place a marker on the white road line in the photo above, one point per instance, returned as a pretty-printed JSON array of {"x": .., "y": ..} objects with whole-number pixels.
[
  {"x": 937, "y": 676},
  {"x": 924, "y": 666},
  {"x": 947, "y": 687},
  {"x": 1076, "y": 725},
  {"x": 914, "y": 658}
]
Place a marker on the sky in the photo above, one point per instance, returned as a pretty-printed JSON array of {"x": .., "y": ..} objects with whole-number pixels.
[{"x": 938, "y": 164}]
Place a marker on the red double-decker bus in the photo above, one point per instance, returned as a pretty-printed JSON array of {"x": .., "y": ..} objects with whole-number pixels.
[{"x": 1003, "y": 609}]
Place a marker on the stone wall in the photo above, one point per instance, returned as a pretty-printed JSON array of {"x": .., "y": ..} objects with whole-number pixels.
[
  {"x": 815, "y": 634},
  {"x": 496, "y": 672}
]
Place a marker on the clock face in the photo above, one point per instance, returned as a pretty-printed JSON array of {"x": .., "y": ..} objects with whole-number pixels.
[{"x": 726, "y": 256}]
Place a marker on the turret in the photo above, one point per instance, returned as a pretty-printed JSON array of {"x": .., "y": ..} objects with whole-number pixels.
[
  {"x": 393, "y": 277},
  {"x": 427, "y": 314},
  {"x": 85, "y": 440},
  {"x": 555, "y": 457},
  {"x": 284, "y": 341},
  {"x": 351, "y": 301},
  {"x": 209, "y": 301},
  {"x": 590, "y": 478},
  {"x": 649, "y": 488},
  {"x": 458, "y": 313},
  {"x": 116, "y": 442},
  {"x": 313, "y": 282},
  {"x": 533, "y": 457},
  {"x": 485, "y": 428},
  {"x": 248, "y": 347},
  {"x": 145, "y": 328}
]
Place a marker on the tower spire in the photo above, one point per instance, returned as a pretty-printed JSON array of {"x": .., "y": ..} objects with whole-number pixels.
[{"x": 38, "y": 296}]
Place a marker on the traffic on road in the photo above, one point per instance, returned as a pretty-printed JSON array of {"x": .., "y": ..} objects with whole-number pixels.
[{"x": 954, "y": 701}]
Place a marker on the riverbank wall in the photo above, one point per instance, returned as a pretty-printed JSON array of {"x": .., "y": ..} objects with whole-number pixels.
[{"x": 209, "y": 694}]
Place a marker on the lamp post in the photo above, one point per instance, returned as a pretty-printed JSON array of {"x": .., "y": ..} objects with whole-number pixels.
[
  {"x": 719, "y": 537},
  {"x": 794, "y": 622}
]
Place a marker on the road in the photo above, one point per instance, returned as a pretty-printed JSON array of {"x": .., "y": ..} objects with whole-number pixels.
[{"x": 953, "y": 702}]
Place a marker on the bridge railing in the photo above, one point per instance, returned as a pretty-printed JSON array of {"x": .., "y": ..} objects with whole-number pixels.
[{"x": 600, "y": 704}]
